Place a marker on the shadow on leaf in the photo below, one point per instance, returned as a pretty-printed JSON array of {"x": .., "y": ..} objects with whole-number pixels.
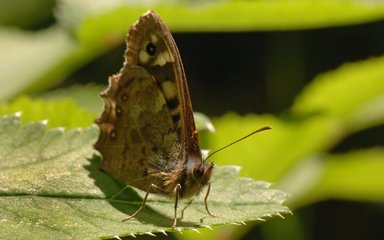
[{"x": 127, "y": 200}]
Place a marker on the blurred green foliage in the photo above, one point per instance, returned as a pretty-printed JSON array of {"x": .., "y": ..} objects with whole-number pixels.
[{"x": 299, "y": 154}]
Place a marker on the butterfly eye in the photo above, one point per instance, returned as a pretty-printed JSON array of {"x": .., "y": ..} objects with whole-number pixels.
[
  {"x": 151, "y": 49},
  {"x": 198, "y": 172}
]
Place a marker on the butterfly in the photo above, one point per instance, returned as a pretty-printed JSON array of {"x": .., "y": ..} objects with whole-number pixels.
[{"x": 148, "y": 138}]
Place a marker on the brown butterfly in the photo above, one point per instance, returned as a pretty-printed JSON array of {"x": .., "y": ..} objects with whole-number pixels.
[{"x": 148, "y": 137}]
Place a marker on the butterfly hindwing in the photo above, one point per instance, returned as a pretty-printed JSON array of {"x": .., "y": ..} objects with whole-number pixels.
[{"x": 135, "y": 125}]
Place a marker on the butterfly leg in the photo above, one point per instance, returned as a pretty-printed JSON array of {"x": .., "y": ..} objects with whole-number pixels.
[
  {"x": 143, "y": 203},
  {"x": 206, "y": 202},
  {"x": 177, "y": 193},
  {"x": 118, "y": 193}
]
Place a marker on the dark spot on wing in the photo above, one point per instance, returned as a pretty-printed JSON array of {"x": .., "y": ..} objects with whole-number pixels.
[
  {"x": 155, "y": 149},
  {"x": 119, "y": 110},
  {"x": 176, "y": 118},
  {"x": 151, "y": 49},
  {"x": 113, "y": 134},
  {"x": 173, "y": 103}
]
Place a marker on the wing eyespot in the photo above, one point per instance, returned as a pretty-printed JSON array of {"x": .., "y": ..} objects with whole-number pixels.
[
  {"x": 151, "y": 49},
  {"x": 119, "y": 111},
  {"x": 113, "y": 134}
]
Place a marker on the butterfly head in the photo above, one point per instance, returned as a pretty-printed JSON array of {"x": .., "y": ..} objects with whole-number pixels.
[{"x": 197, "y": 176}]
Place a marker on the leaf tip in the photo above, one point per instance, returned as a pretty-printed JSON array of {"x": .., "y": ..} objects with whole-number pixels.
[
  {"x": 236, "y": 223},
  {"x": 150, "y": 234},
  {"x": 18, "y": 114},
  {"x": 207, "y": 226},
  {"x": 235, "y": 168},
  {"x": 210, "y": 127},
  {"x": 44, "y": 122},
  {"x": 61, "y": 129},
  {"x": 195, "y": 230}
]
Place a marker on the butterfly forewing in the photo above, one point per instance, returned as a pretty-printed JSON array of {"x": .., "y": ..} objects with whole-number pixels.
[{"x": 150, "y": 44}]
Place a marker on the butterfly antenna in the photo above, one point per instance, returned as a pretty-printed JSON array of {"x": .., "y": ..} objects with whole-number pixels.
[{"x": 238, "y": 140}]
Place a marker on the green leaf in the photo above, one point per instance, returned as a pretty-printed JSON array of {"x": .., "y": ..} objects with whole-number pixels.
[
  {"x": 25, "y": 13},
  {"x": 354, "y": 94},
  {"x": 85, "y": 96},
  {"x": 203, "y": 122},
  {"x": 20, "y": 71},
  {"x": 115, "y": 16},
  {"x": 63, "y": 112},
  {"x": 58, "y": 53},
  {"x": 51, "y": 187},
  {"x": 295, "y": 155},
  {"x": 270, "y": 154},
  {"x": 356, "y": 175}
]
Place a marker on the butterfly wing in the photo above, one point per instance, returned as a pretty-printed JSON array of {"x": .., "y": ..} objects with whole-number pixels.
[
  {"x": 147, "y": 109},
  {"x": 134, "y": 125},
  {"x": 151, "y": 45}
]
